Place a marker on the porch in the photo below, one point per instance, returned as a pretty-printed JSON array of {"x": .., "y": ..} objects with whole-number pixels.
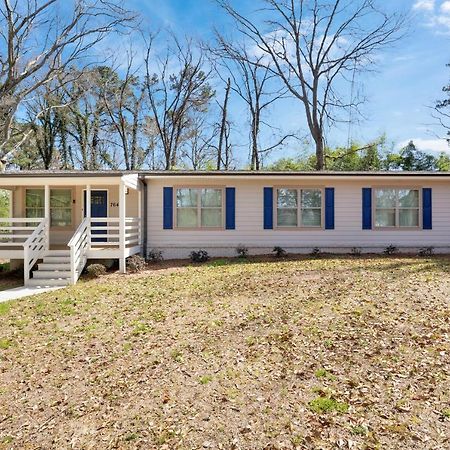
[{"x": 57, "y": 223}]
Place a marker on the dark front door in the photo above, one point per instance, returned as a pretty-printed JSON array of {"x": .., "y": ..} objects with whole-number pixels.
[{"x": 99, "y": 208}]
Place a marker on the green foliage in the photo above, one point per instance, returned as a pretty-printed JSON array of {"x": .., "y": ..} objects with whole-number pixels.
[
  {"x": 199, "y": 256},
  {"x": 321, "y": 405},
  {"x": 370, "y": 157},
  {"x": 4, "y": 203},
  {"x": 205, "y": 379},
  {"x": 410, "y": 159}
]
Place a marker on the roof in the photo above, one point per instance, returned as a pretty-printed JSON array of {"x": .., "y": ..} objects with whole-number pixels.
[
  {"x": 66, "y": 173},
  {"x": 246, "y": 173},
  {"x": 266, "y": 173}
]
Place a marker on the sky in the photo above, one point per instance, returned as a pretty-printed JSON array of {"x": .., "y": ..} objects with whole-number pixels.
[{"x": 407, "y": 81}]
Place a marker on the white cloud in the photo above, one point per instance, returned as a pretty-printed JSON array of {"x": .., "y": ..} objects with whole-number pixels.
[
  {"x": 424, "y": 5},
  {"x": 430, "y": 145},
  {"x": 434, "y": 16},
  {"x": 445, "y": 7}
]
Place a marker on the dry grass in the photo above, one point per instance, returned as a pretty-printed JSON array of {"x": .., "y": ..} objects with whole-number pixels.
[{"x": 325, "y": 353}]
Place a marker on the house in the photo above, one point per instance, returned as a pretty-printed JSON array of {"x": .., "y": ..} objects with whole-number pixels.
[{"x": 61, "y": 219}]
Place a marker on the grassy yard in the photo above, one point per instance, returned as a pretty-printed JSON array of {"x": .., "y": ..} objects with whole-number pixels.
[{"x": 309, "y": 353}]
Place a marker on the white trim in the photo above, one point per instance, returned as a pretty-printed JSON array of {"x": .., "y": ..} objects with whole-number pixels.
[{"x": 92, "y": 190}]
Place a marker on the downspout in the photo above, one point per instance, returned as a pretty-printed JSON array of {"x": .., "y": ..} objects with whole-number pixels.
[{"x": 144, "y": 217}]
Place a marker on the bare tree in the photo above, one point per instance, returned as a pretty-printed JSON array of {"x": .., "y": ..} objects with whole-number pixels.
[
  {"x": 253, "y": 82},
  {"x": 442, "y": 110},
  {"x": 175, "y": 95},
  {"x": 197, "y": 148},
  {"x": 313, "y": 45},
  {"x": 123, "y": 101},
  {"x": 37, "y": 45},
  {"x": 222, "y": 148}
]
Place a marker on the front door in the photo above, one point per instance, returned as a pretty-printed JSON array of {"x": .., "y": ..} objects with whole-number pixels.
[{"x": 99, "y": 208}]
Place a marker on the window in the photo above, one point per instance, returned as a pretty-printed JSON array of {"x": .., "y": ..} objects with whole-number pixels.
[
  {"x": 60, "y": 206},
  {"x": 299, "y": 208},
  {"x": 396, "y": 208},
  {"x": 34, "y": 203},
  {"x": 199, "y": 208}
]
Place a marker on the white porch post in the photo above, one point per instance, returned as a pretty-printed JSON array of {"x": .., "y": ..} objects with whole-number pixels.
[
  {"x": 47, "y": 214},
  {"x": 122, "y": 212},
  {"x": 88, "y": 213},
  {"x": 140, "y": 219}
]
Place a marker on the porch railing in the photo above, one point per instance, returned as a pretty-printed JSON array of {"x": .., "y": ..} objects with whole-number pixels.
[
  {"x": 34, "y": 248},
  {"x": 14, "y": 232},
  {"x": 105, "y": 232},
  {"x": 79, "y": 245}
]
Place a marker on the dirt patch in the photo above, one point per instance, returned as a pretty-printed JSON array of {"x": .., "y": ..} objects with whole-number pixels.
[{"x": 245, "y": 354}]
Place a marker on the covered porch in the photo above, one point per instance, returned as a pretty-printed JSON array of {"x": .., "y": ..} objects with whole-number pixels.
[{"x": 79, "y": 216}]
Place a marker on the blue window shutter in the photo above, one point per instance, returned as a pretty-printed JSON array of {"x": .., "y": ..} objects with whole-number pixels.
[
  {"x": 268, "y": 208},
  {"x": 367, "y": 208},
  {"x": 168, "y": 208},
  {"x": 230, "y": 208},
  {"x": 427, "y": 204},
  {"x": 329, "y": 208}
]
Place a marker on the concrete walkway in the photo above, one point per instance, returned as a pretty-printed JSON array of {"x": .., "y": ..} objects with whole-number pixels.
[{"x": 19, "y": 292}]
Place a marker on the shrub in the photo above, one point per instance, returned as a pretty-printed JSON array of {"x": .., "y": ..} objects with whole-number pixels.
[
  {"x": 199, "y": 256},
  {"x": 356, "y": 251},
  {"x": 155, "y": 256},
  {"x": 136, "y": 263},
  {"x": 242, "y": 251},
  {"x": 390, "y": 250},
  {"x": 315, "y": 251},
  {"x": 96, "y": 270},
  {"x": 426, "y": 251},
  {"x": 279, "y": 252}
]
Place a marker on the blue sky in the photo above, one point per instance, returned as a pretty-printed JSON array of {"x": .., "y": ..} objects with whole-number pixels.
[{"x": 409, "y": 77}]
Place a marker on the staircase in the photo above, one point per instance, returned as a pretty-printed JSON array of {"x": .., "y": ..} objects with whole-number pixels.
[{"x": 53, "y": 271}]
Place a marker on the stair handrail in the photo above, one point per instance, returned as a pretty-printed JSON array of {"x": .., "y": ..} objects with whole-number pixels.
[
  {"x": 34, "y": 248},
  {"x": 79, "y": 245}
]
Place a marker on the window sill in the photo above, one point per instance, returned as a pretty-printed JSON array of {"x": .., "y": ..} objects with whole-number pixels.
[
  {"x": 277, "y": 228},
  {"x": 198, "y": 229},
  {"x": 397, "y": 229}
]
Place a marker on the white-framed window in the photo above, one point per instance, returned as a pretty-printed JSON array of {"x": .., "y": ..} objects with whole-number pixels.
[
  {"x": 60, "y": 206},
  {"x": 299, "y": 207},
  {"x": 397, "y": 208},
  {"x": 199, "y": 207},
  {"x": 34, "y": 203}
]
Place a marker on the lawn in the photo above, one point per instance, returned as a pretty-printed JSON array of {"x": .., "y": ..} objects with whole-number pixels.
[{"x": 307, "y": 353}]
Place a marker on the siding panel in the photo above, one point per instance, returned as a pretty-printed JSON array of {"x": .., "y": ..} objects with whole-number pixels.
[{"x": 250, "y": 230}]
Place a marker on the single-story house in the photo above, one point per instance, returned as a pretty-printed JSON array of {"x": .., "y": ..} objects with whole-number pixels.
[{"x": 61, "y": 219}]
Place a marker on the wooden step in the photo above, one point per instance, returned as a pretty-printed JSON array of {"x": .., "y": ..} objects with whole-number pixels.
[
  {"x": 54, "y": 266},
  {"x": 50, "y": 274},
  {"x": 36, "y": 282}
]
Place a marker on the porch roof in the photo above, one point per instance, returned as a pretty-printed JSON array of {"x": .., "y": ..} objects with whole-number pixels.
[{"x": 69, "y": 178}]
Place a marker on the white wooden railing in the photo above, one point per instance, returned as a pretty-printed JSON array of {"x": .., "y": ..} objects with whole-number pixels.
[
  {"x": 105, "y": 232},
  {"x": 34, "y": 247},
  {"x": 14, "y": 232},
  {"x": 79, "y": 245}
]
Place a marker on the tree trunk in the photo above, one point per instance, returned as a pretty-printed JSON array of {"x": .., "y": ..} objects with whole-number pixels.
[
  {"x": 223, "y": 126},
  {"x": 320, "y": 153}
]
